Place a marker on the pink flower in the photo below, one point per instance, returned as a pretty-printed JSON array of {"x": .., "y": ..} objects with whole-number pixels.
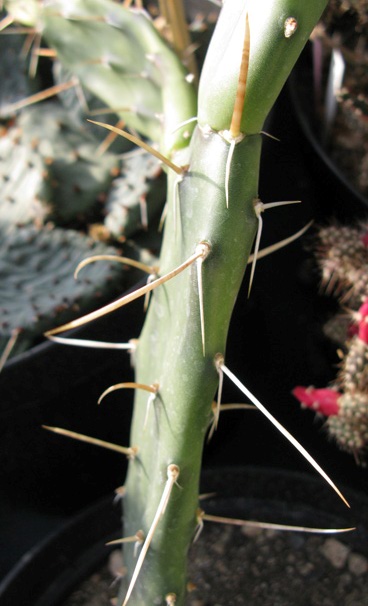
[
  {"x": 323, "y": 400},
  {"x": 363, "y": 322},
  {"x": 365, "y": 239}
]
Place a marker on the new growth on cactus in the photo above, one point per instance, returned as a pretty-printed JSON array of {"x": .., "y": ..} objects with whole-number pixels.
[{"x": 211, "y": 153}]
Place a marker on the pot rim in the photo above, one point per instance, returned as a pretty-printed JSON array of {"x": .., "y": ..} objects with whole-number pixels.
[
  {"x": 306, "y": 124},
  {"x": 101, "y": 522}
]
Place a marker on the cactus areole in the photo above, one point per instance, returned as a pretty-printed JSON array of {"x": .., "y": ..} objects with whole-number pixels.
[{"x": 211, "y": 222}]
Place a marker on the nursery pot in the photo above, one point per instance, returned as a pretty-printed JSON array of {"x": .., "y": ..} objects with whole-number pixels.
[
  {"x": 342, "y": 199},
  {"x": 59, "y": 385},
  {"x": 49, "y": 573}
]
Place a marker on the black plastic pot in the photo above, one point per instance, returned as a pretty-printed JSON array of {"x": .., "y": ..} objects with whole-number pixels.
[
  {"x": 342, "y": 198},
  {"x": 46, "y": 575},
  {"x": 59, "y": 385}
]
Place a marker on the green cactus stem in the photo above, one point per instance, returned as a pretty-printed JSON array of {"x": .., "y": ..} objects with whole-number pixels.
[
  {"x": 170, "y": 348},
  {"x": 210, "y": 228}
]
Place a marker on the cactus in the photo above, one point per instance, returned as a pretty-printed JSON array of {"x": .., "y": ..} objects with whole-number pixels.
[
  {"x": 342, "y": 256},
  {"x": 25, "y": 190},
  {"x": 136, "y": 197},
  {"x": 37, "y": 288},
  {"x": 50, "y": 169},
  {"x": 213, "y": 214},
  {"x": 14, "y": 82},
  {"x": 77, "y": 176},
  {"x": 113, "y": 54}
]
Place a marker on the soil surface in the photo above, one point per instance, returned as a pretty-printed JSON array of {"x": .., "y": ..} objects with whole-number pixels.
[{"x": 238, "y": 567}]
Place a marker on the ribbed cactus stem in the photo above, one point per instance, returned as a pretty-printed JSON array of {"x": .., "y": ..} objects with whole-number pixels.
[
  {"x": 170, "y": 348},
  {"x": 210, "y": 228},
  {"x": 170, "y": 351}
]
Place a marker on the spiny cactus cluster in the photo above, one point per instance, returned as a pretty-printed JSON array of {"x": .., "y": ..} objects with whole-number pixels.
[{"x": 342, "y": 256}]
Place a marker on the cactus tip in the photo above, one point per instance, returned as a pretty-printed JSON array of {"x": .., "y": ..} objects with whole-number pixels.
[{"x": 235, "y": 127}]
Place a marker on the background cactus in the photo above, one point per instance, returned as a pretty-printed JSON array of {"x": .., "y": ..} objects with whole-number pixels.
[
  {"x": 136, "y": 197},
  {"x": 37, "y": 287},
  {"x": 25, "y": 191},
  {"x": 56, "y": 167},
  {"x": 342, "y": 256},
  {"x": 213, "y": 212},
  {"x": 76, "y": 175},
  {"x": 15, "y": 83}
]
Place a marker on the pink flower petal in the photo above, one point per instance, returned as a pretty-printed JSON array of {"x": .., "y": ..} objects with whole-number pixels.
[
  {"x": 365, "y": 239},
  {"x": 363, "y": 322},
  {"x": 322, "y": 400}
]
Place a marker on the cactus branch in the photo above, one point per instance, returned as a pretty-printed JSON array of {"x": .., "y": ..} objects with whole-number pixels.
[
  {"x": 206, "y": 249},
  {"x": 214, "y": 166}
]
